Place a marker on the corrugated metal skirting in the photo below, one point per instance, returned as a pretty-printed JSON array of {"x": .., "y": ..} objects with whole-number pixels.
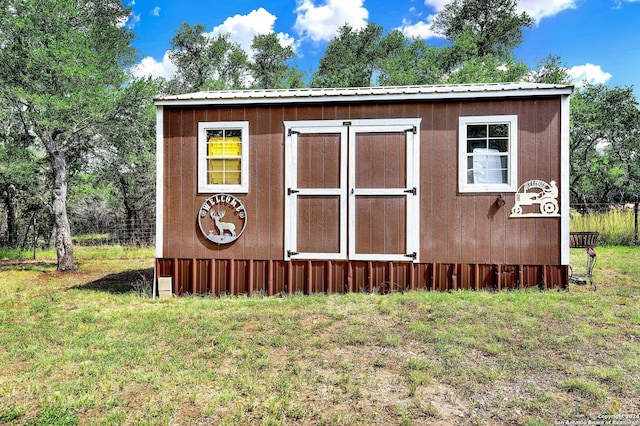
[{"x": 217, "y": 277}]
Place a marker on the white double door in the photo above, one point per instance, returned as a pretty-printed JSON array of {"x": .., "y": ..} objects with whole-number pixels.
[{"x": 352, "y": 189}]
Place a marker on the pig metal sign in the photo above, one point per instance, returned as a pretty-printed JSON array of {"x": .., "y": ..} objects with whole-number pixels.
[{"x": 211, "y": 215}]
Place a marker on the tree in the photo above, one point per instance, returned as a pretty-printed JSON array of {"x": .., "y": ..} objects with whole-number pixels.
[
  {"x": 488, "y": 69},
  {"x": 403, "y": 61},
  {"x": 269, "y": 65},
  {"x": 478, "y": 28},
  {"x": 20, "y": 179},
  {"x": 62, "y": 69},
  {"x": 350, "y": 58},
  {"x": 551, "y": 70},
  {"x": 605, "y": 144},
  {"x": 129, "y": 161},
  {"x": 206, "y": 63}
]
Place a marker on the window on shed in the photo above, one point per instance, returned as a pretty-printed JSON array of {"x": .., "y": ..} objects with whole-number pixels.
[
  {"x": 222, "y": 157},
  {"x": 487, "y": 154}
]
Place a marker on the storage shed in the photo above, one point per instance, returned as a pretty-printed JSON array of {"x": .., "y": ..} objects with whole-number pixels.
[{"x": 363, "y": 189}]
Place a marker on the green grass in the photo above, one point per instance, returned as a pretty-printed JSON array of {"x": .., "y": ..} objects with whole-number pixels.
[
  {"x": 616, "y": 227},
  {"x": 91, "y": 347}
]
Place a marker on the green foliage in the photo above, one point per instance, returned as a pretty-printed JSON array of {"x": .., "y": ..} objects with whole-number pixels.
[
  {"x": 58, "y": 416},
  {"x": 551, "y": 70},
  {"x": 478, "y": 28},
  {"x": 67, "y": 60},
  {"x": 125, "y": 168},
  {"x": 269, "y": 64},
  {"x": 350, "y": 58},
  {"x": 488, "y": 69},
  {"x": 204, "y": 62},
  {"x": 482, "y": 36},
  {"x": 407, "y": 62},
  {"x": 605, "y": 138},
  {"x": 22, "y": 182}
]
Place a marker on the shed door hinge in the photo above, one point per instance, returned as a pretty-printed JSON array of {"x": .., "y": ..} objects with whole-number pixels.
[
  {"x": 413, "y": 191},
  {"x": 292, "y": 132},
  {"x": 414, "y": 130},
  {"x": 292, "y": 191},
  {"x": 413, "y": 255},
  {"x": 291, "y": 253}
]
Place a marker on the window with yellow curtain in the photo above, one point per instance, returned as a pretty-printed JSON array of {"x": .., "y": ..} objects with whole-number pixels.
[{"x": 223, "y": 157}]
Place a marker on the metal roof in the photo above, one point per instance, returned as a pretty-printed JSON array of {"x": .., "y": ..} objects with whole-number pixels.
[{"x": 355, "y": 94}]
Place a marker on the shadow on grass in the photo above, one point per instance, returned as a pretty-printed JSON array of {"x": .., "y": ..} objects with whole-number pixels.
[
  {"x": 27, "y": 265},
  {"x": 138, "y": 281}
]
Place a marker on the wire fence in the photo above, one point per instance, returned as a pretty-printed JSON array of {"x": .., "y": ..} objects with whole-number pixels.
[
  {"x": 616, "y": 223},
  {"x": 138, "y": 233}
]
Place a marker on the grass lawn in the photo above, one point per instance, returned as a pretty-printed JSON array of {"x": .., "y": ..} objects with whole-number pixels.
[{"x": 91, "y": 347}]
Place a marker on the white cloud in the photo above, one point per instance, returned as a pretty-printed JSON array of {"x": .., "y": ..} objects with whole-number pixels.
[
  {"x": 156, "y": 11},
  {"x": 150, "y": 67},
  {"x": 619, "y": 2},
  {"x": 438, "y": 5},
  {"x": 129, "y": 22},
  {"x": 535, "y": 8},
  {"x": 538, "y": 9},
  {"x": 588, "y": 73},
  {"x": 421, "y": 29},
  {"x": 320, "y": 23},
  {"x": 242, "y": 28}
]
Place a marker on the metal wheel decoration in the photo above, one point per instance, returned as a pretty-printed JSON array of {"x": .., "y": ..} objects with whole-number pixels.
[{"x": 549, "y": 207}]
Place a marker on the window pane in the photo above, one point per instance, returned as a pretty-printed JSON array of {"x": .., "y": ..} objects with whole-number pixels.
[
  {"x": 477, "y": 131},
  {"x": 487, "y": 167},
  {"x": 214, "y": 147},
  {"x": 221, "y": 171},
  {"x": 501, "y": 145},
  {"x": 215, "y": 133},
  {"x": 499, "y": 130},
  {"x": 232, "y": 148},
  {"x": 224, "y": 146},
  {"x": 470, "y": 169},
  {"x": 232, "y": 178},
  {"x": 474, "y": 144},
  {"x": 233, "y": 165},
  {"x": 233, "y": 133},
  {"x": 215, "y": 178}
]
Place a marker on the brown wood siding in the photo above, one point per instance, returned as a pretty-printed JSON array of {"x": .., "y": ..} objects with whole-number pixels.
[
  {"x": 218, "y": 277},
  {"x": 455, "y": 229}
]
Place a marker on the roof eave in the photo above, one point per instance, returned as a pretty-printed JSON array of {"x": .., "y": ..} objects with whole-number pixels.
[{"x": 362, "y": 95}]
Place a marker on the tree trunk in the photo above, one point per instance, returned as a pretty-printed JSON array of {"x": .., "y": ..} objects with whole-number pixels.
[
  {"x": 12, "y": 219},
  {"x": 61, "y": 228}
]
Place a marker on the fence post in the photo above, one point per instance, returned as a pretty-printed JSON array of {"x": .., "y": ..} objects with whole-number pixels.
[
  {"x": 35, "y": 237},
  {"x": 635, "y": 217}
]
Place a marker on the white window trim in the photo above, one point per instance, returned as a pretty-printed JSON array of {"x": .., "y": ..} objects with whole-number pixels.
[
  {"x": 203, "y": 186},
  {"x": 463, "y": 122}
]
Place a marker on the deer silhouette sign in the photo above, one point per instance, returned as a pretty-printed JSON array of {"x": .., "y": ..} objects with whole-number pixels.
[
  {"x": 223, "y": 226},
  {"x": 214, "y": 209}
]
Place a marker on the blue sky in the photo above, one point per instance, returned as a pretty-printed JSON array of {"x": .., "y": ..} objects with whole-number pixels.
[{"x": 598, "y": 40}]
